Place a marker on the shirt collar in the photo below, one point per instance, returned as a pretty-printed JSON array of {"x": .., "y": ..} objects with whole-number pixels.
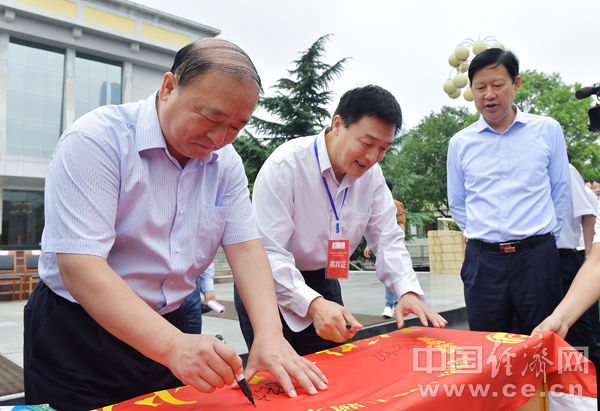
[
  {"x": 149, "y": 134},
  {"x": 483, "y": 125}
]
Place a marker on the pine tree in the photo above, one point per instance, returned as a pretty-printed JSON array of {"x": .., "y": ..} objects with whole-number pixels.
[{"x": 300, "y": 101}]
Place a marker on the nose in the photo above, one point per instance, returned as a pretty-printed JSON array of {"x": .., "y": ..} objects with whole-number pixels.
[
  {"x": 371, "y": 155},
  {"x": 217, "y": 134}
]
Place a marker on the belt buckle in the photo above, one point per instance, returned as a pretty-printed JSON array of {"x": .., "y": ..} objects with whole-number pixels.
[{"x": 507, "y": 248}]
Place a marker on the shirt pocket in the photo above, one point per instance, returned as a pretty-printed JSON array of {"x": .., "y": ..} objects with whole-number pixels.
[
  {"x": 354, "y": 225},
  {"x": 533, "y": 169},
  {"x": 210, "y": 233}
]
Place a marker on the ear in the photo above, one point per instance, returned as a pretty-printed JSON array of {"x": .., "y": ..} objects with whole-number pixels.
[
  {"x": 337, "y": 124},
  {"x": 517, "y": 84},
  {"x": 168, "y": 86}
]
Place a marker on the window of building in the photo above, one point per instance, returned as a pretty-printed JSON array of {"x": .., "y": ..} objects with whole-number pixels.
[
  {"x": 22, "y": 217},
  {"x": 97, "y": 83},
  {"x": 34, "y": 98}
]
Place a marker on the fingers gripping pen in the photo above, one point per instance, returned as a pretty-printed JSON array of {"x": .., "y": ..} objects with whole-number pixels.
[{"x": 241, "y": 380}]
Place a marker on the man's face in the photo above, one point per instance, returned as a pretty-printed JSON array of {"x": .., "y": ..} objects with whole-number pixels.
[
  {"x": 596, "y": 188},
  {"x": 494, "y": 93},
  {"x": 360, "y": 146},
  {"x": 206, "y": 114}
]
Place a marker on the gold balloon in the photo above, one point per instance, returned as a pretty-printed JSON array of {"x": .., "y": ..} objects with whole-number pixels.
[
  {"x": 449, "y": 87},
  {"x": 479, "y": 47},
  {"x": 464, "y": 67},
  {"x": 453, "y": 61},
  {"x": 455, "y": 94},
  {"x": 498, "y": 45},
  {"x": 461, "y": 53},
  {"x": 468, "y": 94},
  {"x": 460, "y": 80}
]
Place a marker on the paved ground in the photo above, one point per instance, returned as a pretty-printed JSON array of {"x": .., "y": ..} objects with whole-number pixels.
[{"x": 362, "y": 293}]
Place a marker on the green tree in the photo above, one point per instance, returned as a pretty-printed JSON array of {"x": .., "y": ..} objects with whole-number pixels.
[
  {"x": 299, "y": 104},
  {"x": 300, "y": 101},
  {"x": 418, "y": 168},
  {"x": 548, "y": 95}
]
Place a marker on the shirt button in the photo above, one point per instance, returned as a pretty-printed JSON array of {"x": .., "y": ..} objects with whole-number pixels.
[
  {"x": 503, "y": 156},
  {"x": 503, "y": 220},
  {"x": 177, "y": 250},
  {"x": 180, "y": 212},
  {"x": 171, "y": 282},
  {"x": 504, "y": 198},
  {"x": 504, "y": 177}
]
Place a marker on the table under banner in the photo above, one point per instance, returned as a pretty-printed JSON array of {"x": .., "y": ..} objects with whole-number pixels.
[{"x": 417, "y": 368}]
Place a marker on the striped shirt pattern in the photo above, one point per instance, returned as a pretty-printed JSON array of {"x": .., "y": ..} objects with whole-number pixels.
[{"x": 114, "y": 191}]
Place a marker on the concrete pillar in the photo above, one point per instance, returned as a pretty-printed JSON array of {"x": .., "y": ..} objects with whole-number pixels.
[
  {"x": 127, "y": 82},
  {"x": 69, "y": 89},
  {"x": 4, "y": 39}
]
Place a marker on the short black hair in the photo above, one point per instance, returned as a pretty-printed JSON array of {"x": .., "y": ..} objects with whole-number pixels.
[
  {"x": 199, "y": 57},
  {"x": 586, "y": 180},
  {"x": 597, "y": 180},
  {"x": 389, "y": 183},
  {"x": 569, "y": 157},
  {"x": 495, "y": 57},
  {"x": 370, "y": 101}
]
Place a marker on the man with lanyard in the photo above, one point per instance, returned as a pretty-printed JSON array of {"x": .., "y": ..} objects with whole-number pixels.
[
  {"x": 509, "y": 192},
  {"x": 315, "y": 198},
  {"x": 138, "y": 198}
]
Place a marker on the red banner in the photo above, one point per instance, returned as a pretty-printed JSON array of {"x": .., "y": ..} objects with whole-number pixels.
[{"x": 414, "y": 369}]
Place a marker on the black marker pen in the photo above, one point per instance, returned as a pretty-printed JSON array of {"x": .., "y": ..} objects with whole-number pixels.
[{"x": 241, "y": 380}]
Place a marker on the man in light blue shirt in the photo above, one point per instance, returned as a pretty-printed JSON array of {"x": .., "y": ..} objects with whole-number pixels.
[
  {"x": 138, "y": 198},
  {"x": 509, "y": 192}
]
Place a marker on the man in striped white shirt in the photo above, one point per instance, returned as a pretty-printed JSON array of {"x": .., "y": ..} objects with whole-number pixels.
[
  {"x": 138, "y": 198},
  {"x": 329, "y": 187}
]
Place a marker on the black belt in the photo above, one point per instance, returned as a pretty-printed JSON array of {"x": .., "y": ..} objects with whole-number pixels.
[
  {"x": 511, "y": 246},
  {"x": 566, "y": 251}
]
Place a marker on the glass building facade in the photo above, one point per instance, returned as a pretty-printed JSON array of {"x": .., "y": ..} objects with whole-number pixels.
[
  {"x": 34, "y": 99},
  {"x": 35, "y": 89},
  {"x": 97, "y": 83}
]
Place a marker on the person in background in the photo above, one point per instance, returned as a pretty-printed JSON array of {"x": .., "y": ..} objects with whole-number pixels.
[{"x": 509, "y": 192}]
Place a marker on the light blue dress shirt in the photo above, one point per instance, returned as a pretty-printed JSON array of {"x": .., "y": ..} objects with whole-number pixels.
[
  {"x": 114, "y": 191},
  {"x": 511, "y": 185}
]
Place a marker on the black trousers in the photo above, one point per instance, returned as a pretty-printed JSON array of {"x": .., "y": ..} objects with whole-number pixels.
[
  {"x": 306, "y": 341},
  {"x": 525, "y": 285},
  {"x": 72, "y": 363}
]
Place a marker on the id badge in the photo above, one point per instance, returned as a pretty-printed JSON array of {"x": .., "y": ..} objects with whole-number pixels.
[{"x": 337, "y": 259}]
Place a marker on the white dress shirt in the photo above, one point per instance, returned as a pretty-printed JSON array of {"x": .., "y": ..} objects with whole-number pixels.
[
  {"x": 511, "y": 185},
  {"x": 295, "y": 221},
  {"x": 114, "y": 191},
  {"x": 580, "y": 206}
]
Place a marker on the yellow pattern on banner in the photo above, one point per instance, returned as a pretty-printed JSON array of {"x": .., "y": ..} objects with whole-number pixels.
[{"x": 507, "y": 338}]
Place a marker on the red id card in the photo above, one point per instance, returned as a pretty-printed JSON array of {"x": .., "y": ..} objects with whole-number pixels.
[{"x": 337, "y": 259}]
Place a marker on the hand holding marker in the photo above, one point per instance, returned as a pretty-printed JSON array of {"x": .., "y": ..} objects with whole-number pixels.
[
  {"x": 215, "y": 306},
  {"x": 241, "y": 380}
]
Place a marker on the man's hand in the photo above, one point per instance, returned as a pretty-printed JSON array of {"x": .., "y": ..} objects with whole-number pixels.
[
  {"x": 552, "y": 323},
  {"x": 330, "y": 320},
  {"x": 209, "y": 296},
  {"x": 367, "y": 252},
  {"x": 202, "y": 361},
  {"x": 410, "y": 303},
  {"x": 271, "y": 352}
]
